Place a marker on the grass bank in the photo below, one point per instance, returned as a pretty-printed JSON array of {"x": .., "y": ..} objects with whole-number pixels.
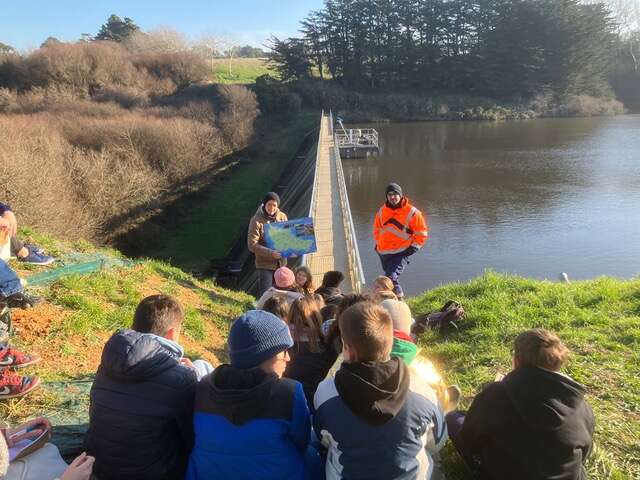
[
  {"x": 70, "y": 329},
  {"x": 599, "y": 320},
  {"x": 206, "y": 225}
]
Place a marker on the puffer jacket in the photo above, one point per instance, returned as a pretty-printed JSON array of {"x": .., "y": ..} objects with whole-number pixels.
[
  {"x": 141, "y": 410},
  {"x": 256, "y": 242},
  {"x": 249, "y": 425}
]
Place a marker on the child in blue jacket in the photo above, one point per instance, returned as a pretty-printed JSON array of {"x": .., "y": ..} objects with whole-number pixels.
[{"x": 249, "y": 422}]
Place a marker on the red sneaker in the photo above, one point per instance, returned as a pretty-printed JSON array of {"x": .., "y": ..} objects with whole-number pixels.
[
  {"x": 12, "y": 358},
  {"x": 12, "y": 385}
]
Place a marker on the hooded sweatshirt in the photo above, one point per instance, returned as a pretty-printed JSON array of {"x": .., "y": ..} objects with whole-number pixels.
[
  {"x": 249, "y": 424},
  {"x": 141, "y": 409},
  {"x": 373, "y": 425},
  {"x": 533, "y": 425}
]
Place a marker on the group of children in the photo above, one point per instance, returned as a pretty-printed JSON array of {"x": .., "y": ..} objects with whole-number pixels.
[{"x": 319, "y": 384}]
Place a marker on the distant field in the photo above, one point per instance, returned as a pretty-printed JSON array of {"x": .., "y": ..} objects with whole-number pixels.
[{"x": 240, "y": 70}]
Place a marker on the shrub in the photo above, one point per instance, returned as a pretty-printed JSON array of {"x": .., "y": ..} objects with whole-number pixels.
[
  {"x": 239, "y": 111},
  {"x": 183, "y": 68}
]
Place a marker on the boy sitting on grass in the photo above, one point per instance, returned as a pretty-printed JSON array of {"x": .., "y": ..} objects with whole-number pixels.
[
  {"x": 140, "y": 417},
  {"x": 251, "y": 423},
  {"x": 533, "y": 424},
  {"x": 367, "y": 417}
]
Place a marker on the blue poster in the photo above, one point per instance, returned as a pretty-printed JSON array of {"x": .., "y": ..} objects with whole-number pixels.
[{"x": 291, "y": 238}]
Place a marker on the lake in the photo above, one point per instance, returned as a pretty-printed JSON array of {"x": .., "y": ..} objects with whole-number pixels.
[{"x": 533, "y": 198}]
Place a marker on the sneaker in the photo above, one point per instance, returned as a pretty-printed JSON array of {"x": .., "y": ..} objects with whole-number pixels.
[
  {"x": 36, "y": 256},
  {"x": 12, "y": 385},
  {"x": 21, "y": 300},
  {"x": 12, "y": 358}
]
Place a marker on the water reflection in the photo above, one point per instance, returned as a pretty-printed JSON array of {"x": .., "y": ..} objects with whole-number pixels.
[{"x": 532, "y": 197}]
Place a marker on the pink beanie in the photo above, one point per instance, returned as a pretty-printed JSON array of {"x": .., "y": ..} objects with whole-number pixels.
[{"x": 284, "y": 277}]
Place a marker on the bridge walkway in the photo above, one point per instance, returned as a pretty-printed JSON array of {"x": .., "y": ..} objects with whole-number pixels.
[{"x": 335, "y": 237}]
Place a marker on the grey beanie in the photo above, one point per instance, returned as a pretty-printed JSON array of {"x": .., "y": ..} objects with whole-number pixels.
[
  {"x": 393, "y": 187},
  {"x": 257, "y": 336},
  {"x": 400, "y": 315}
]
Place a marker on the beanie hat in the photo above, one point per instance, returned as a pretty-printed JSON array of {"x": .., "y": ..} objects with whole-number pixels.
[
  {"x": 393, "y": 188},
  {"x": 400, "y": 315},
  {"x": 271, "y": 196},
  {"x": 284, "y": 277},
  {"x": 257, "y": 336}
]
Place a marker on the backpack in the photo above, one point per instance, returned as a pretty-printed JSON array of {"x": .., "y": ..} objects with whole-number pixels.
[{"x": 451, "y": 312}]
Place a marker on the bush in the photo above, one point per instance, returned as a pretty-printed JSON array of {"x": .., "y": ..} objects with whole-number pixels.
[
  {"x": 183, "y": 68},
  {"x": 34, "y": 178},
  {"x": 239, "y": 111}
]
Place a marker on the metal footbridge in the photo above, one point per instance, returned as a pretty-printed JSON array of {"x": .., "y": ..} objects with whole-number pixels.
[{"x": 331, "y": 213}]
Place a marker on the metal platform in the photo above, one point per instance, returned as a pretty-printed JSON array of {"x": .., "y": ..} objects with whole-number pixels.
[{"x": 356, "y": 142}]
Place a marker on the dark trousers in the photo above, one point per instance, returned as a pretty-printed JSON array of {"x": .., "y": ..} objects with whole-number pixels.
[
  {"x": 393, "y": 265},
  {"x": 454, "y": 421},
  {"x": 265, "y": 280}
]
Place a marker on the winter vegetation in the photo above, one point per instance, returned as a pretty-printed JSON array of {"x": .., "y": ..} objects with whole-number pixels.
[
  {"x": 508, "y": 51},
  {"x": 117, "y": 123}
]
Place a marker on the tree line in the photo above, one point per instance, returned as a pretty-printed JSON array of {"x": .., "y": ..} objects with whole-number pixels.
[{"x": 502, "y": 48}]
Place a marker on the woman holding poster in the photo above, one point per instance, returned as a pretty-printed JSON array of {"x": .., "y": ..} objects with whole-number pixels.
[{"x": 267, "y": 260}]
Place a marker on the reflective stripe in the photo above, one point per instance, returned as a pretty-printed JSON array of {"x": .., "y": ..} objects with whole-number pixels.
[
  {"x": 423, "y": 233},
  {"x": 412, "y": 212},
  {"x": 393, "y": 250},
  {"x": 414, "y": 244},
  {"x": 397, "y": 233}
]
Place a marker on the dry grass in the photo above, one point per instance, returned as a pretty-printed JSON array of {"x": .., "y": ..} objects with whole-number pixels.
[{"x": 92, "y": 132}]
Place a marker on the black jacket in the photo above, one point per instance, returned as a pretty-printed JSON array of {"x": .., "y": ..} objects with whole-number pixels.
[
  {"x": 310, "y": 368},
  {"x": 533, "y": 425},
  {"x": 141, "y": 414},
  {"x": 331, "y": 295}
]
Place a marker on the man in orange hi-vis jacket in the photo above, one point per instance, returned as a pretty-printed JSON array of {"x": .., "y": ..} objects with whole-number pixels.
[{"x": 400, "y": 230}]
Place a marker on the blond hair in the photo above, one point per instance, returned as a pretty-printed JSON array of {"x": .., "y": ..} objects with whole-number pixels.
[{"x": 368, "y": 330}]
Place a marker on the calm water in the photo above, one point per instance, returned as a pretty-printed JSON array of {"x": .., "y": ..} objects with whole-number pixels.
[{"x": 534, "y": 198}]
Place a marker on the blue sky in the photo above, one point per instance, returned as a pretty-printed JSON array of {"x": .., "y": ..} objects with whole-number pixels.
[{"x": 26, "y": 25}]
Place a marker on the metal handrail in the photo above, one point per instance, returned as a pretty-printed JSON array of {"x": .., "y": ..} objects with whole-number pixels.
[
  {"x": 314, "y": 190},
  {"x": 353, "y": 254}
]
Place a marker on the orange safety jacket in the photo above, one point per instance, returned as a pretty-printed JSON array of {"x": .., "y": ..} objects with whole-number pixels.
[{"x": 395, "y": 230}]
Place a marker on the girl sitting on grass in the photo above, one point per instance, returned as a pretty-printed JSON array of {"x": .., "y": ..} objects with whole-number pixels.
[{"x": 311, "y": 356}]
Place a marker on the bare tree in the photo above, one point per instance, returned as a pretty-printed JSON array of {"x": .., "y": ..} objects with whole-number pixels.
[{"x": 158, "y": 40}]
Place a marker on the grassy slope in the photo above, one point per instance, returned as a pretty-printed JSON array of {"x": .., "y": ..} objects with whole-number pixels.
[
  {"x": 243, "y": 70},
  {"x": 70, "y": 329},
  {"x": 599, "y": 320},
  {"x": 214, "y": 223}
]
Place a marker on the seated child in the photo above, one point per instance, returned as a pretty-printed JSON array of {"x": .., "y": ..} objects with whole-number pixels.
[
  {"x": 534, "y": 423},
  {"x": 330, "y": 288},
  {"x": 311, "y": 357},
  {"x": 382, "y": 289},
  {"x": 286, "y": 287},
  {"x": 40, "y": 460},
  {"x": 304, "y": 280},
  {"x": 251, "y": 423},
  {"x": 373, "y": 425},
  {"x": 278, "y": 305},
  {"x": 141, "y": 410}
]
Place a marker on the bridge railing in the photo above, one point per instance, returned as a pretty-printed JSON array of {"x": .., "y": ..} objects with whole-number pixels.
[{"x": 353, "y": 253}]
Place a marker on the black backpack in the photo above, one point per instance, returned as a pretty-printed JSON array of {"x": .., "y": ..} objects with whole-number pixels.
[{"x": 449, "y": 314}]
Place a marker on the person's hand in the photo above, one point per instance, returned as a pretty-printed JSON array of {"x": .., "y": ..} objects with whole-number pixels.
[
  {"x": 80, "y": 469},
  {"x": 186, "y": 362},
  {"x": 28, "y": 430},
  {"x": 10, "y": 222},
  {"x": 275, "y": 254},
  {"x": 411, "y": 250}
]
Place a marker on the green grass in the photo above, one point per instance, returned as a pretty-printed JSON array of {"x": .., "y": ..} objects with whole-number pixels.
[
  {"x": 599, "y": 320},
  {"x": 240, "y": 70},
  {"x": 213, "y": 223}
]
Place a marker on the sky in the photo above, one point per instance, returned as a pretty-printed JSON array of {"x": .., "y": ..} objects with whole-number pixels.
[{"x": 25, "y": 25}]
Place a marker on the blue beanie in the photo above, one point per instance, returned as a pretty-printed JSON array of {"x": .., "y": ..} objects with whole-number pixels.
[{"x": 257, "y": 336}]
